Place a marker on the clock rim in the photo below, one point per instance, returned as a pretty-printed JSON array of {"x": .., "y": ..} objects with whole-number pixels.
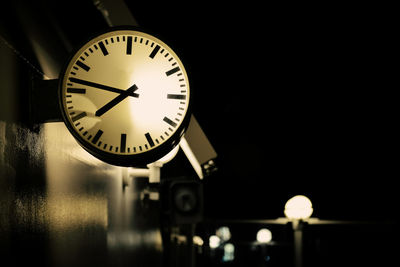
[{"x": 136, "y": 160}]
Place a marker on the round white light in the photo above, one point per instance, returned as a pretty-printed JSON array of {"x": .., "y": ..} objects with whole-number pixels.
[
  {"x": 224, "y": 233},
  {"x": 264, "y": 236},
  {"x": 298, "y": 207},
  {"x": 215, "y": 241},
  {"x": 197, "y": 240},
  {"x": 229, "y": 252}
]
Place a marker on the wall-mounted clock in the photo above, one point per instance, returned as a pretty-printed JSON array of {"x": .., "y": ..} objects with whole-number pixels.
[{"x": 125, "y": 97}]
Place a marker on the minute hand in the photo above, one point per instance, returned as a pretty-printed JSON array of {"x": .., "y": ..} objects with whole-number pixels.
[
  {"x": 116, "y": 100},
  {"x": 102, "y": 86}
]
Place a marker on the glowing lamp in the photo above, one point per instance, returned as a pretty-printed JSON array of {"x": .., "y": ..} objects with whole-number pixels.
[
  {"x": 298, "y": 208},
  {"x": 214, "y": 241},
  {"x": 264, "y": 236},
  {"x": 224, "y": 233}
]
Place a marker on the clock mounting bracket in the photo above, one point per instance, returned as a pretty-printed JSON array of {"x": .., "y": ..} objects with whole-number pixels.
[{"x": 44, "y": 106}]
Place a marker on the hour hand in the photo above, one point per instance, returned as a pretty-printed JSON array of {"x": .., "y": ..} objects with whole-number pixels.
[
  {"x": 101, "y": 86},
  {"x": 116, "y": 100}
]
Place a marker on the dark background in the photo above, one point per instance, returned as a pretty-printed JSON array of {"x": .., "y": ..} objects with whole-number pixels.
[{"x": 294, "y": 99}]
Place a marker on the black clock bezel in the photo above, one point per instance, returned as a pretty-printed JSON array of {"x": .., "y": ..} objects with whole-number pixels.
[{"x": 137, "y": 160}]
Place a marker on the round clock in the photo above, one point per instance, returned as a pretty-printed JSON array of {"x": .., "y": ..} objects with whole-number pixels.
[{"x": 125, "y": 97}]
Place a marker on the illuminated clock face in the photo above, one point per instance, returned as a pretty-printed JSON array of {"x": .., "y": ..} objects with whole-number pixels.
[{"x": 125, "y": 97}]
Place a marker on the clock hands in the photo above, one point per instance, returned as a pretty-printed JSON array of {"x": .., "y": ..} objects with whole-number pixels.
[
  {"x": 128, "y": 92},
  {"x": 102, "y": 86}
]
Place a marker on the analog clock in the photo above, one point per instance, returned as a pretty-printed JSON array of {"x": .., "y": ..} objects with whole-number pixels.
[{"x": 125, "y": 97}]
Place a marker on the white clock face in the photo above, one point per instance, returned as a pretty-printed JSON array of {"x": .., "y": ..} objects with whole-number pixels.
[{"x": 124, "y": 92}]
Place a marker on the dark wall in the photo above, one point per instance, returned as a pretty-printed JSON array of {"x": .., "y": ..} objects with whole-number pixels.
[{"x": 59, "y": 206}]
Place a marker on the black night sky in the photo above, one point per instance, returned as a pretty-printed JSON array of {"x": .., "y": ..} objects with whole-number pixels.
[
  {"x": 295, "y": 99},
  {"x": 292, "y": 100}
]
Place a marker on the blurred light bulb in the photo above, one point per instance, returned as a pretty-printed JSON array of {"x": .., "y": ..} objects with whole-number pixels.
[
  {"x": 264, "y": 236},
  {"x": 224, "y": 233},
  {"x": 215, "y": 241},
  {"x": 298, "y": 207},
  {"x": 229, "y": 252},
  {"x": 197, "y": 240}
]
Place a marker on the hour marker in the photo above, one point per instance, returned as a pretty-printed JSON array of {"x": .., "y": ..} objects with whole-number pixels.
[
  {"x": 155, "y": 51},
  {"x": 83, "y": 65},
  {"x": 172, "y": 71},
  {"x": 175, "y": 96},
  {"x": 103, "y": 48},
  {"x": 76, "y": 90},
  {"x": 79, "y": 116},
  {"x": 97, "y": 136},
  {"x": 149, "y": 139},
  {"x": 170, "y": 122},
  {"x": 123, "y": 142},
  {"x": 129, "y": 46}
]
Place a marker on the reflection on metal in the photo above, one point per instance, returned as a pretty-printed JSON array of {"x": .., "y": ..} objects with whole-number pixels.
[
  {"x": 170, "y": 156},
  {"x": 153, "y": 170},
  {"x": 134, "y": 239},
  {"x": 198, "y": 149},
  {"x": 64, "y": 149},
  {"x": 84, "y": 193},
  {"x": 65, "y": 212},
  {"x": 62, "y": 213},
  {"x": 191, "y": 157}
]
